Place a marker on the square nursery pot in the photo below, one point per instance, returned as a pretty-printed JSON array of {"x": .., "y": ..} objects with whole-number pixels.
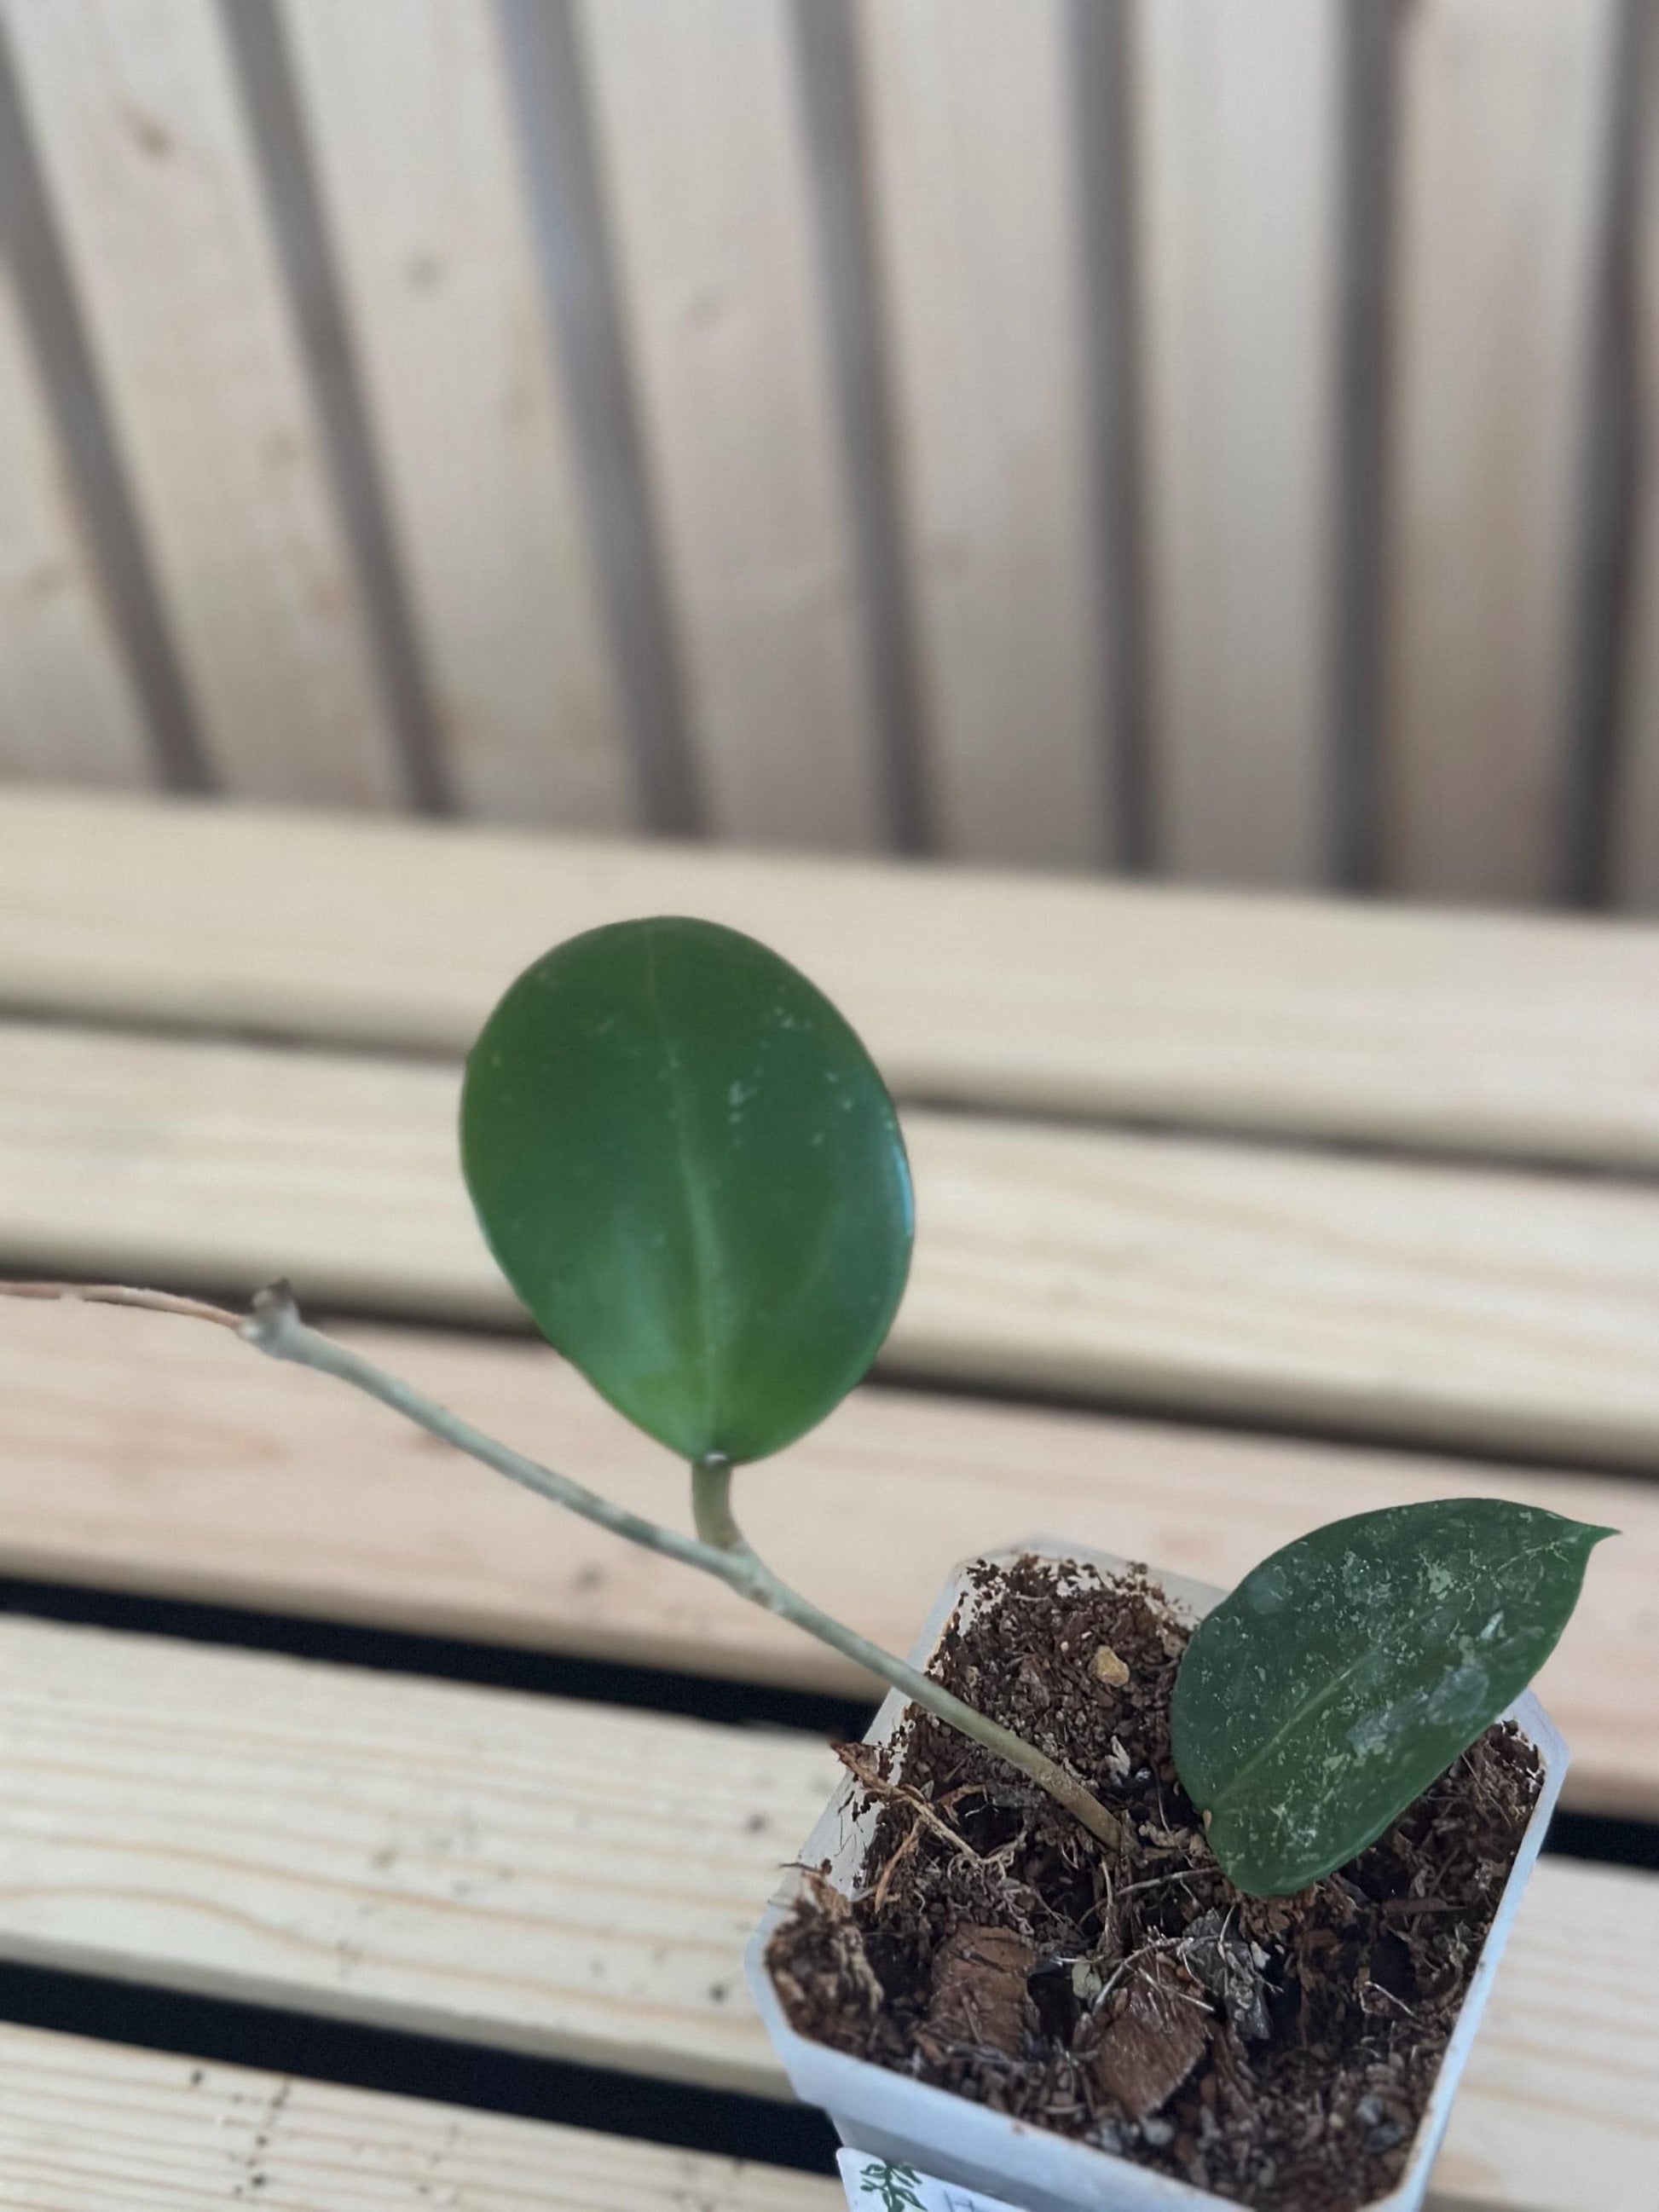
[{"x": 965, "y": 2144}]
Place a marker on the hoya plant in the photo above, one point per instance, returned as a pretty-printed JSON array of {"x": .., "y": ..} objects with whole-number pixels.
[{"x": 688, "y": 1169}]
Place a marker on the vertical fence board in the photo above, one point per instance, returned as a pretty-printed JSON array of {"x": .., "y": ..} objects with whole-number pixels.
[
  {"x": 68, "y": 710},
  {"x": 1503, "y": 108},
  {"x": 980, "y": 237},
  {"x": 146, "y": 152},
  {"x": 409, "y": 120},
  {"x": 1633, "y": 859},
  {"x": 1237, "y": 114},
  {"x": 703, "y": 156}
]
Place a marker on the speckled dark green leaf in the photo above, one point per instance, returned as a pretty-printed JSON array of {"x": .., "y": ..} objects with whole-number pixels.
[
  {"x": 1348, "y": 1670},
  {"x": 689, "y": 1170}
]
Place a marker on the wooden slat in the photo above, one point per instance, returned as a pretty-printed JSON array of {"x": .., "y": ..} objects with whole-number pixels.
[
  {"x": 409, "y": 118},
  {"x": 972, "y": 134},
  {"x": 1504, "y": 106},
  {"x": 703, "y": 157},
  {"x": 151, "y": 169},
  {"x": 1632, "y": 858},
  {"x": 578, "y": 1879},
  {"x": 97, "y": 2127},
  {"x": 573, "y": 1880},
  {"x": 1567, "y": 2033},
  {"x": 1522, "y": 1036},
  {"x": 1237, "y": 124},
  {"x": 149, "y": 1455},
  {"x": 1440, "y": 1305},
  {"x": 68, "y": 710}
]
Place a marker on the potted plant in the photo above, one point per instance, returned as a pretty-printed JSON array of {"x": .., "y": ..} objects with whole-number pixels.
[
  {"x": 1142, "y": 2005},
  {"x": 1126, "y": 1897}
]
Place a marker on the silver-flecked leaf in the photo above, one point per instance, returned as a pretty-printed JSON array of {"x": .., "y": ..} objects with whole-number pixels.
[{"x": 1347, "y": 1672}]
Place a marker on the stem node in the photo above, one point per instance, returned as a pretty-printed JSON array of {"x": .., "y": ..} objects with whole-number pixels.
[{"x": 273, "y": 1326}]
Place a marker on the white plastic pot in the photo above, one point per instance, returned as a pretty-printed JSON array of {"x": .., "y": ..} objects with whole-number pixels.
[{"x": 954, "y": 2141}]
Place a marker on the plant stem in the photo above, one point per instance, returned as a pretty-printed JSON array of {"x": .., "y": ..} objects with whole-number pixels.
[
  {"x": 711, "y": 1488},
  {"x": 123, "y": 1294},
  {"x": 719, "y": 1548},
  {"x": 711, "y": 1502}
]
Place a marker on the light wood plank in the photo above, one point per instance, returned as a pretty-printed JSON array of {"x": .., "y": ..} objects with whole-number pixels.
[
  {"x": 702, "y": 153},
  {"x": 149, "y": 1455},
  {"x": 1632, "y": 857},
  {"x": 1518, "y": 1035},
  {"x": 99, "y": 2127},
  {"x": 151, "y": 169},
  {"x": 1565, "y": 2034},
  {"x": 68, "y": 711},
  {"x": 1439, "y": 1304},
  {"x": 578, "y": 1879},
  {"x": 980, "y": 229},
  {"x": 409, "y": 117},
  {"x": 573, "y": 1880},
  {"x": 1504, "y": 105},
  {"x": 1238, "y": 131}
]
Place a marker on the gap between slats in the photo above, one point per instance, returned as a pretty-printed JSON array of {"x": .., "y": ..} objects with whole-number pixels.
[
  {"x": 821, "y": 317},
  {"x": 142, "y": 139},
  {"x": 152, "y": 1455},
  {"x": 703, "y": 165},
  {"x": 1240, "y": 193},
  {"x": 270, "y": 101},
  {"x": 1481, "y": 1307},
  {"x": 576, "y": 251},
  {"x": 64, "y": 476},
  {"x": 578, "y": 1881},
  {"x": 413, "y": 142},
  {"x": 1633, "y": 803},
  {"x": 69, "y": 709},
  {"x": 1511, "y": 1036},
  {"x": 1504, "y": 107},
  {"x": 979, "y": 223}
]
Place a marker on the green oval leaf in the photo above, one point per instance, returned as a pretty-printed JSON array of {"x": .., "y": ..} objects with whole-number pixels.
[
  {"x": 1348, "y": 1670},
  {"x": 689, "y": 1170}
]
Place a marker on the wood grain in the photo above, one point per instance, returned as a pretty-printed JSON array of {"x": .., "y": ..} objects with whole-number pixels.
[
  {"x": 1504, "y": 105},
  {"x": 577, "y": 1880},
  {"x": 979, "y": 225},
  {"x": 97, "y": 2127},
  {"x": 152, "y": 171},
  {"x": 573, "y": 1880},
  {"x": 1440, "y": 1305},
  {"x": 702, "y": 154},
  {"x": 68, "y": 710},
  {"x": 1516, "y": 1034},
  {"x": 1563, "y": 2035},
  {"x": 141, "y": 1453},
  {"x": 409, "y": 120},
  {"x": 1237, "y": 132}
]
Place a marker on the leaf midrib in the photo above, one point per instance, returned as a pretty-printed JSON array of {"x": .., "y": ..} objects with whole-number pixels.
[
  {"x": 1322, "y": 1697},
  {"x": 705, "y": 1243},
  {"x": 1316, "y": 1704}
]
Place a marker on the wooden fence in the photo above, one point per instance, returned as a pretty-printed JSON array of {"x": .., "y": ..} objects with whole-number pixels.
[{"x": 1176, "y": 435}]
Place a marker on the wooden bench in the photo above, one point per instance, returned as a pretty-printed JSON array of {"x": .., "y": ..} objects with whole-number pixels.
[
  {"x": 1030, "y": 431},
  {"x": 1039, "y": 433},
  {"x": 1252, "y": 1212}
]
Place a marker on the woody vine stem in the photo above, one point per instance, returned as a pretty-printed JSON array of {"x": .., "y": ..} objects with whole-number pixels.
[{"x": 273, "y": 1326}]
